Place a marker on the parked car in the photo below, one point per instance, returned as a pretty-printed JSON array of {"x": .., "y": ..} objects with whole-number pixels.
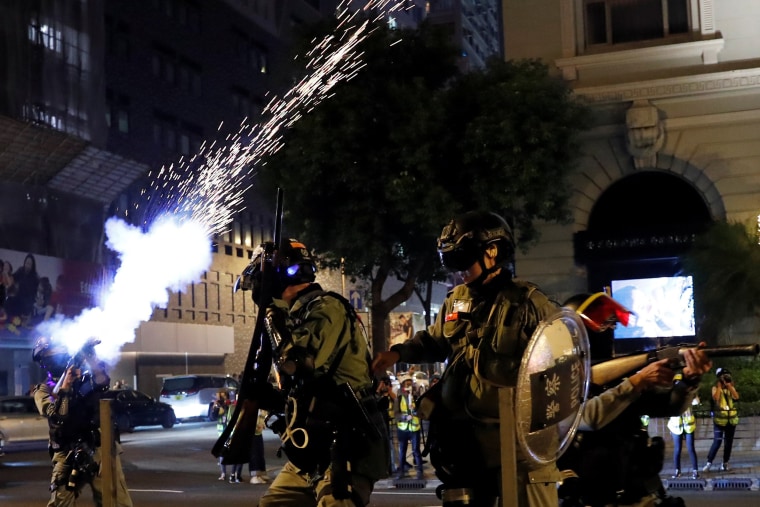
[
  {"x": 191, "y": 395},
  {"x": 131, "y": 409},
  {"x": 21, "y": 425},
  {"x": 421, "y": 382}
]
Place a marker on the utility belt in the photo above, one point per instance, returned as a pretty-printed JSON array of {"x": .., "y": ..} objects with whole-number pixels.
[
  {"x": 67, "y": 443},
  {"x": 80, "y": 467},
  {"x": 323, "y": 419}
]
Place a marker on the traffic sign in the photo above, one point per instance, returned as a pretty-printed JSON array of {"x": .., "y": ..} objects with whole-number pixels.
[{"x": 355, "y": 297}]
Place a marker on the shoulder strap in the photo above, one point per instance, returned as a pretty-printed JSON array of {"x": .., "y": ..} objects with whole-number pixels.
[{"x": 352, "y": 320}]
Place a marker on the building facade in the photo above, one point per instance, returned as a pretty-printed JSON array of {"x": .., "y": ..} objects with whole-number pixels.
[
  {"x": 675, "y": 90},
  {"x": 94, "y": 95}
]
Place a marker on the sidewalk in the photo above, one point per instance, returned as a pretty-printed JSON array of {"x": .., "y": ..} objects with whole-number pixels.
[{"x": 743, "y": 474}]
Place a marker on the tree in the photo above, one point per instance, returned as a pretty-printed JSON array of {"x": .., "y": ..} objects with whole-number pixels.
[
  {"x": 725, "y": 264},
  {"x": 374, "y": 172}
]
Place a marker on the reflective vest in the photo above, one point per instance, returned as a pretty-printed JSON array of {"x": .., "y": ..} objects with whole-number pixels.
[
  {"x": 405, "y": 409},
  {"x": 685, "y": 422},
  {"x": 725, "y": 411}
]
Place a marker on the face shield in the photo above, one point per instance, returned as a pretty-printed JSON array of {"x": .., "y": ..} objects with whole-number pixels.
[{"x": 462, "y": 254}]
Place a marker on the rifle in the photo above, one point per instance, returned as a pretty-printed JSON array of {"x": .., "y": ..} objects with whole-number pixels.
[
  {"x": 613, "y": 369},
  {"x": 234, "y": 444}
]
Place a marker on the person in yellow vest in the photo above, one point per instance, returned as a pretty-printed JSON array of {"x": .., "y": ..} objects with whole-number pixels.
[
  {"x": 682, "y": 427},
  {"x": 387, "y": 404},
  {"x": 408, "y": 424},
  {"x": 725, "y": 417}
]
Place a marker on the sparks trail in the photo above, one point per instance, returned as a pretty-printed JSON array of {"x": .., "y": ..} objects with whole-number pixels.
[
  {"x": 210, "y": 186},
  {"x": 186, "y": 202}
]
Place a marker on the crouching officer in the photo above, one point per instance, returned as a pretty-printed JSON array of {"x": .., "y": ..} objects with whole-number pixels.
[
  {"x": 70, "y": 401},
  {"x": 614, "y": 459},
  {"x": 331, "y": 428}
]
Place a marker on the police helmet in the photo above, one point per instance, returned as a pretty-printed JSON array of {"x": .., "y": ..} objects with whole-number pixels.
[
  {"x": 599, "y": 312},
  {"x": 50, "y": 356},
  {"x": 464, "y": 240},
  {"x": 295, "y": 264}
]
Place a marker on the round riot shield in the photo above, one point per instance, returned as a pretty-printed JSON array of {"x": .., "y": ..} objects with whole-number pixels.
[{"x": 552, "y": 385}]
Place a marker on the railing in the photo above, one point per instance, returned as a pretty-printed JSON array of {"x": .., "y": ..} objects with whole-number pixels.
[{"x": 747, "y": 437}]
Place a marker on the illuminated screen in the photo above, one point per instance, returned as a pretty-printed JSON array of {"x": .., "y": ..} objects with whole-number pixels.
[{"x": 663, "y": 307}]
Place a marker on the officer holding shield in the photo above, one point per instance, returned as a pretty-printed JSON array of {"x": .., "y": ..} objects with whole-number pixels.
[{"x": 482, "y": 331}]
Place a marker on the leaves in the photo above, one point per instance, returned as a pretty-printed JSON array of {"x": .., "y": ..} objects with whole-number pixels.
[
  {"x": 374, "y": 172},
  {"x": 725, "y": 264}
]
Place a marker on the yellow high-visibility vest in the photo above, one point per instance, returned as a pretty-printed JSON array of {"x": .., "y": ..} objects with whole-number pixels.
[{"x": 405, "y": 408}]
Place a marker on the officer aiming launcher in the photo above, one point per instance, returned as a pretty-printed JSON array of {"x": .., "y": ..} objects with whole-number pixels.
[{"x": 600, "y": 312}]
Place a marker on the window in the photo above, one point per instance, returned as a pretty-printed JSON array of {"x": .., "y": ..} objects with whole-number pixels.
[
  {"x": 117, "y": 111},
  {"x": 623, "y": 21},
  {"x": 117, "y": 38}
]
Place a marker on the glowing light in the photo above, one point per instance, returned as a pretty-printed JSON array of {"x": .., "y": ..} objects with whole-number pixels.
[{"x": 187, "y": 202}]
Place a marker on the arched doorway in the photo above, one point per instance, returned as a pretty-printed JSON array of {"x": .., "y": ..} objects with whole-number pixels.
[{"x": 637, "y": 230}]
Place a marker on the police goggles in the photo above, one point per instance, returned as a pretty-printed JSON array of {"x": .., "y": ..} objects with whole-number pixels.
[{"x": 462, "y": 255}]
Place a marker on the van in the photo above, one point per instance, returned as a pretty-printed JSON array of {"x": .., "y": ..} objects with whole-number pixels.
[{"x": 191, "y": 395}]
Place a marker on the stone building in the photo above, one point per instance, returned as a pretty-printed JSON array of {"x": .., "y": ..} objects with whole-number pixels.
[{"x": 675, "y": 90}]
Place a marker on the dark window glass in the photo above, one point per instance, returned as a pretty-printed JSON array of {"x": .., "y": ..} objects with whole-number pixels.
[
  {"x": 634, "y": 21},
  {"x": 678, "y": 16},
  {"x": 596, "y": 23}
]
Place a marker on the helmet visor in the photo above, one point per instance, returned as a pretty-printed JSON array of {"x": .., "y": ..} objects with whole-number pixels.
[{"x": 462, "y": 255}]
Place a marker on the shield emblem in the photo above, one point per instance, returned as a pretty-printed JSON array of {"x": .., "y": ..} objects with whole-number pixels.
[{"x": 552, "y": 385}]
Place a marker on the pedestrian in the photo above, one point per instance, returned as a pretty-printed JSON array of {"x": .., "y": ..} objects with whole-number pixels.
[
  {"x": 387, "y": 404},
  {"x": 613, "y": 459},
  {"x": 481, "y": 332},
  {"x": 408, "y": 424},
  {"x": 682, "y": 428},
  {"x": 332, "y": 429},
  {"x": 221, "y": 411},
  {"x": 257, "y": 466},
  {"x": 70, "y": 400},
  {"x": 725, "y": 417}
]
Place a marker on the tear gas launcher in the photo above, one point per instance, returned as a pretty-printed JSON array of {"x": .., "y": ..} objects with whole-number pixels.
[
  {"x": 87, "y": 350},
  {"x": 608, "y": 371},
  {"x": 255, "y": 392}
]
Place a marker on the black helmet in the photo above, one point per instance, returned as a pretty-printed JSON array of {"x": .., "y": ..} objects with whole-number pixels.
[
  {"x": 294, "y": 263},
  {"x": 465, "y": 238},
  {"x": 50, "y": 356}
]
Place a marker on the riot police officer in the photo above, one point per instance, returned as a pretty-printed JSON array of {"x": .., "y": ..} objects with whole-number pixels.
[
  {"x": 482, "y": 330},
  {"x": 332, "y": 429},
  {"x": 614, "y": 460},
  {"x": 69, "y": 399}
]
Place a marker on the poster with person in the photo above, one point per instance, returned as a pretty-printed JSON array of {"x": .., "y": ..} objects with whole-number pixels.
[
  {"x": 404, "y": 325},
  {"x": 36, "y": 288}
]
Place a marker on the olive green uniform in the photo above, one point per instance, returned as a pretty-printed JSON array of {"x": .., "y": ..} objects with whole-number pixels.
[
  {"x": 321, "y": 324},
  {"x": 74, "y": 421},
  {"x": 483, "y": 335}
]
